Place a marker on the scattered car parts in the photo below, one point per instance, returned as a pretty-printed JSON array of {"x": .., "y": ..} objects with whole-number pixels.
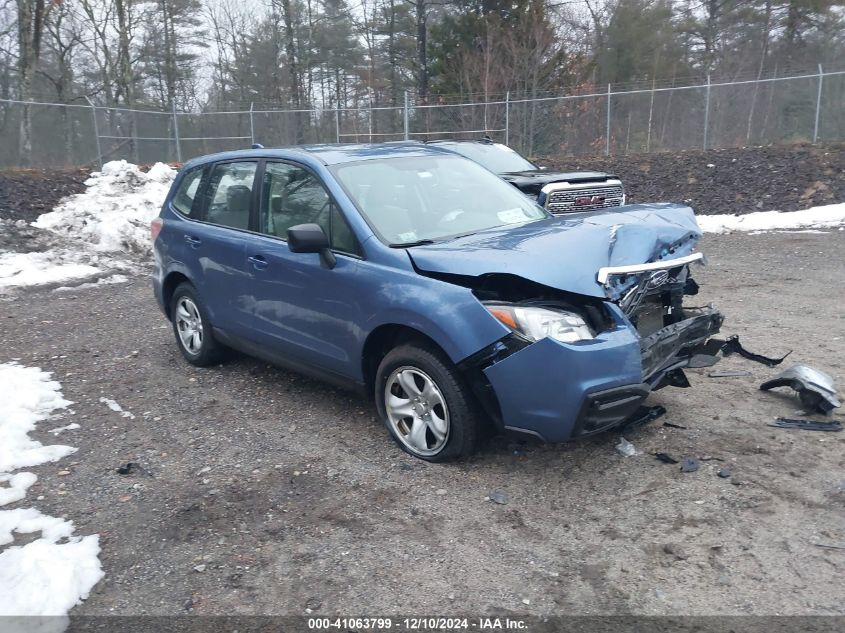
[
  {"x": 815, "y": 388},
  {"x": 666, "y": 458},
  {"x": 732, "y": 345},
  {"x": 806, "y": 425},
  {"x": 729, "y": 373}
]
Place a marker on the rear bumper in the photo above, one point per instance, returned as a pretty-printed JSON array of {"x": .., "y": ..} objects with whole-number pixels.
[{"x": 557, "y": 391}]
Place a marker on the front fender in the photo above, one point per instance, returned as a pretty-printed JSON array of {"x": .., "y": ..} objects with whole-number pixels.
[{"x": 449, "y": 315}]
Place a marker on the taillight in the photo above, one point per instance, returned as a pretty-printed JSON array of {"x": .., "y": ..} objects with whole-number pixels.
[{"x": 155, "y": 228}]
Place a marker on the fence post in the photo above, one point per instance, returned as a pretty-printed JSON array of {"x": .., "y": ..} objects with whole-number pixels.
[
  {"x": 650, "y": 113},
  {"x": 176, "y": 135},
  {"x": 337, "y": 123},
  {"x": 706, "y": 112},
  {"x": 370, "y": 115},
  {"x": 251, "y": 123},
  {"x": 818, "y": 106},
  {"x": 96, "y": 132},
  {"x": 607, "y": 131},
  {"x": 406, "y": 119},
  {"x": 507, "y": 118}
]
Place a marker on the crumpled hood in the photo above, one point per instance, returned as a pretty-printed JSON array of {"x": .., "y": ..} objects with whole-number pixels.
[{"x": 566, "y": 252}]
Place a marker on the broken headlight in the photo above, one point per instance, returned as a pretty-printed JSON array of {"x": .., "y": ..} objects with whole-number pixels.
[{"x": 535, "y": 323}]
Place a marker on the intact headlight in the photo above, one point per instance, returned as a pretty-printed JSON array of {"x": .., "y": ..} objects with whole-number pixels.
[{"x": 535, "y": 323}]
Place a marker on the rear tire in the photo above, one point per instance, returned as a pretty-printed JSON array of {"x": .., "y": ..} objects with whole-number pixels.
[
  {"x": 192, "y": 328},
  {"x": 426, "y": 405}
]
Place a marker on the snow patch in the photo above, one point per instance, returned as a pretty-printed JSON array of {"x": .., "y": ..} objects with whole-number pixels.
[
  {"x": 28, "y": 396},
  {"x": 105, "y": 281},
  {"x": 111, "y": 404},
  {"x": 828, "y": 216},
  {"x": 34, "y": 269},
  {"x": 61, "y": 429},
  {"x": 49, "y": 575},
  {"x": 45, "y": 577},
  {"x": 18, "y": 485},
  {"x": 114, "y": 212}
]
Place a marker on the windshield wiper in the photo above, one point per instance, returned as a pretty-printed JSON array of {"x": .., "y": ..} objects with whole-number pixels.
[{"x": 409, "y": 244}]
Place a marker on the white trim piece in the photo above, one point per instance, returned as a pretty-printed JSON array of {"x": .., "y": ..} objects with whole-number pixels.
[{"x": 607, "y": 271}]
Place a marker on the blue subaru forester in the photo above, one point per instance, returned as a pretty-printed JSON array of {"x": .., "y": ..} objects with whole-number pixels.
[{"x": 423, "y": 280}]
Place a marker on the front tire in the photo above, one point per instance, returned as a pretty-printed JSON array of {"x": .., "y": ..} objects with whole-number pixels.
[
  {"x": 425, "y": 404},
  {"x": 192, "y": 328}
]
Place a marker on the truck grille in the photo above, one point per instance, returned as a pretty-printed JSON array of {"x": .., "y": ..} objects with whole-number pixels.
[{"x": 584, "y": 198}]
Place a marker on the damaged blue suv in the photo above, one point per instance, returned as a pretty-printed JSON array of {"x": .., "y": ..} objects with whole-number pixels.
[{"x": 434, "y": 287}]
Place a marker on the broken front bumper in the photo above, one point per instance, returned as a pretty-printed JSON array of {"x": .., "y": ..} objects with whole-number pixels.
[{"x": 559, "y": 391}]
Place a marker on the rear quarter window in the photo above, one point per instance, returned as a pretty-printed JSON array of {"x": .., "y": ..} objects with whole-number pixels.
[{"x": 186, "y": 194}]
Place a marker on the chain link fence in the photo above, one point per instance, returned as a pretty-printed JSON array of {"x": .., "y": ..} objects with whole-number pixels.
[{"x": 798, "y": 108}]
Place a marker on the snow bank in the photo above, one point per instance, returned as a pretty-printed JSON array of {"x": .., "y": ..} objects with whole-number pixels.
[
  {"x": 51, "y": 574},
  {"x": 829, "y": 216},
  {"x": 114, "y": 212}
]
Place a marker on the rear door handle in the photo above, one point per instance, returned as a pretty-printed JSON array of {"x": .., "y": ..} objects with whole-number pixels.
[
  {"x": 192, "y": 241},
  {"x": 258, "y": 262}
]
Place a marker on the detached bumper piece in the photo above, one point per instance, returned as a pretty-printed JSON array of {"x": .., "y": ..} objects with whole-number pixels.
[{"x": 682, "y": 344}]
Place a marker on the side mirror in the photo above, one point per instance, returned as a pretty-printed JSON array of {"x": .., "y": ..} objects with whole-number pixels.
[{"x": 310, "y": 238}]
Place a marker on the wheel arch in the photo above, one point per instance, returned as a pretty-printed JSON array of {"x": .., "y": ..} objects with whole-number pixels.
[
  {"x": 383, "y": 339},
  {"x": 171, "y": 282}
]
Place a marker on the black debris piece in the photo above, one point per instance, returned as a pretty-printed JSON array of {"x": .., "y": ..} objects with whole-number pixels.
[
  {"x": 689, "y": 465},
  {"x": 831, "y": 545},
  {"x": 806, "y": 425},
  {"x": 642, "y": 416},
  {"x": 666, "y": 458},
  {"x": 732, "y": 345},
  {"x": 132, "y": 468},
  {"x": 724, "y": 473},
  {"x": 672, "y": 425},
  {"x": 815, "y": 388},
  {"x": 727, "y": 373}
]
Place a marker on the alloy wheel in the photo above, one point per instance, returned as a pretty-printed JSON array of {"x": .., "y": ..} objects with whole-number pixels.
[
  {"x": 189, "y": 325},
  {"x": 417, "y": 411}
]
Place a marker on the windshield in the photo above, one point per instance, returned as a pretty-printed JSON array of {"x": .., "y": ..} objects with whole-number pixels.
[
  {"x": 408, "y": 200},
  {"x": 498, "y": 158}
]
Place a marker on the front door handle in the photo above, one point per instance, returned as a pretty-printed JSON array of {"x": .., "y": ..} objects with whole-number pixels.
[
  {"x": 192, "y": 241},
  {"x": 258, "y": 262}
]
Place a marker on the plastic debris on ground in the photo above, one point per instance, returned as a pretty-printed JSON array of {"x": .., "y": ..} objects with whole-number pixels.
[
  {"x": 806, "y": 425},
  {"x": 624, "y": 447},
  {"x": 815, "y": 388},
  {"x": 732, "y": 345},
  {"x": 498, "y": 497},
  {"x": 729, "y": 373},
  {"x": 666, "y": 458}
]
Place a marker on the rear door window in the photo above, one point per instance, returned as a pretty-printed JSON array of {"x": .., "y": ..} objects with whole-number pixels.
[
  {"x": 186, "y": 195},
  {"x": 229, "y": 194}
]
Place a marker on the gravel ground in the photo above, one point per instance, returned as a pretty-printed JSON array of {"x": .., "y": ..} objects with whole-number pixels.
[{"x": 263, "y": 492}]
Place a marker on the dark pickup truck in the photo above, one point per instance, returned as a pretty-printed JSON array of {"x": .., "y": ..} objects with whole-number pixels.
[{"x": 558, "y": 192}]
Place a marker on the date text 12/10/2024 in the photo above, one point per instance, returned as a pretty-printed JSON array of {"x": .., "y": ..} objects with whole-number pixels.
[{"x": 416, "y": 624}]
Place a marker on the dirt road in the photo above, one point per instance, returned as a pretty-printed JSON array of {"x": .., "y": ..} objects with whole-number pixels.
[{"x": 263, "y": 492}]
